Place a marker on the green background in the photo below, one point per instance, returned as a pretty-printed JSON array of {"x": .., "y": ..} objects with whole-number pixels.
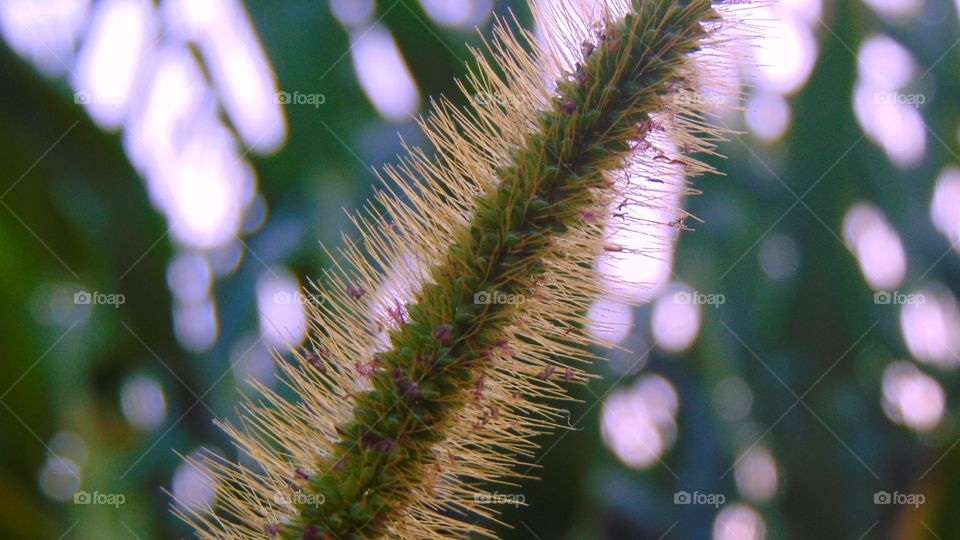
[{"x": 82, "y": 209}]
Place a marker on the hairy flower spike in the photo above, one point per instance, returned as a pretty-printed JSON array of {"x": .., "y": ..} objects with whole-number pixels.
[{"x": 470, "y": 288}]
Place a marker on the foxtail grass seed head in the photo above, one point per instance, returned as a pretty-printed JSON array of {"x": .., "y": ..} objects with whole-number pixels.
[{"x": 451, "y": 330}]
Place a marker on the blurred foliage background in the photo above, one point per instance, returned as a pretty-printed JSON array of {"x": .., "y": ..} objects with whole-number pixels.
[{"x": 793, "y": 376}]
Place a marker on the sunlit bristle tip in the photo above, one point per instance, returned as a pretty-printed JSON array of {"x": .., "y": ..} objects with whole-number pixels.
[{"x": 451, "y": 330}]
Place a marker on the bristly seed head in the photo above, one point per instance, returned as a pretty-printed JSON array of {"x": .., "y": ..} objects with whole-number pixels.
[{"x": 518, "y": 202}]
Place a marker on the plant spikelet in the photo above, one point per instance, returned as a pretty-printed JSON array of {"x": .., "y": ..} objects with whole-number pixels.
[{"x": 449, "y": 333}]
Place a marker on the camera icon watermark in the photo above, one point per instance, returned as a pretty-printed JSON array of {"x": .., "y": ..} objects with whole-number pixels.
[
  {"x": 497, "y": 297},
  {"x": 900, "y": 499},
  {"x": 897, "y": 298},
  {"x": 107, "y": 499},
  {"x": 83, "y": 298},
  {"x": 698, "y": 298},
  {"x": 513, "y": 499},
  {"x": 715, "y": 500},
  {"x": 300, "y": 98}
]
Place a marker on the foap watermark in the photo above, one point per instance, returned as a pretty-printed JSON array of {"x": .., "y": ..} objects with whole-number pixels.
[
  {"x": 300, "y": 98},
  {"x": 497, "y": 297},
  {"x": 715, "y": 500},
  {"x": 104, "y": 499},
  {"x": 98, "y": 298},
  {"x": 698, "y": 98},
  {"x": 514, "y": 499},
  {"x": 900, "y": 499},
  {"x": 897, "y": 298},
  {"x": 287, "y": 298},
  {"x": 88, "y": 98},
  {"x": 698, "y": 298},
  {"x": 299, "y": 498},
  {"x": 896, "y": 98}
]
